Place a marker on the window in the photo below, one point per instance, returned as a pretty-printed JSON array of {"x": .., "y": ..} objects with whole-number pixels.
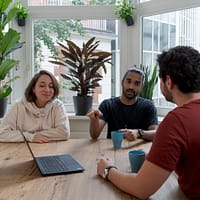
[
  {"x": 47, "y": 32},
  {"x": 161, "y": 32},
  {"x": 162, "y": 27}
]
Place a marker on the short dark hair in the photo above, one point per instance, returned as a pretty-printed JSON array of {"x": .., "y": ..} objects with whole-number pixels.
[
  {"x": 135, "y": 70},
  {"x": 29, "y": 94},
  {"x": 182, "y": 64}
]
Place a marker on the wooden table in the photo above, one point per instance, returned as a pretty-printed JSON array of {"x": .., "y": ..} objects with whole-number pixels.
[{"x": 20, "y": 179}]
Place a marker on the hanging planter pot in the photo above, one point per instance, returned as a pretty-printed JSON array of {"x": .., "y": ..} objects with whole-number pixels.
[
  {"x": 22, "y": 13},
  {"x": 21, "y": 22},
  {"x": 126, "y": 11},
  {"x": 129, "y": 21}
]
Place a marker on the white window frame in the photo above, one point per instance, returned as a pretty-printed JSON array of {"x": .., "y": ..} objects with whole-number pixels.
[{"x": 130, "y": 37}]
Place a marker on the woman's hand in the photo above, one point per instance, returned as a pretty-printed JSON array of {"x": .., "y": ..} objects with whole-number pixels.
[{"x": 38, "y": 138}]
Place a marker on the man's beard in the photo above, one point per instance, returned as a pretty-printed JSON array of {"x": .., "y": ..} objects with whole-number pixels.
[
  {"x": 167, "y": 94},
  {"x": 130, "y": 94}
]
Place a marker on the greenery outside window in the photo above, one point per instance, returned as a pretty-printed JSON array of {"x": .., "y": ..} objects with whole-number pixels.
[
  {"x": 78, "y": 31},
  {"x": 68, "y": 3}
]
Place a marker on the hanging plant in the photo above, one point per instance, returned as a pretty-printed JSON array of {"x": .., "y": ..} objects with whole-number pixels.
[
  {"x": 22, "y": 13},
  {"x": 126, "y": 11}
]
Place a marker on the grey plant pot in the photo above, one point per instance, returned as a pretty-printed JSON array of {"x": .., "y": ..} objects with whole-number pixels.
[
  {"x": 3, "y": 106},
  {"x": 82, "y": 104}
]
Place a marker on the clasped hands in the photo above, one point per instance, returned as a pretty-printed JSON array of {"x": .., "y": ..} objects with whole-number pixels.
[
  {"x": 38, "y": 138},
  {"x": 130, "y": 134}
]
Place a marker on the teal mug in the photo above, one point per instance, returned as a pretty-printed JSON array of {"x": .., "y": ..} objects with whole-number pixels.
[
  {"x": 136, "y": 158},
  {"x": 117, "y": 137}
]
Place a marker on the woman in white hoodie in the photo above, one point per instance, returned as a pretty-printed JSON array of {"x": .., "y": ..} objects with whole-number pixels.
[{"x": 39, "y": 114}]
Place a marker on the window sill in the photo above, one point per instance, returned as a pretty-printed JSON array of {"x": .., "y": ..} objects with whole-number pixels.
[{"x": 72, "y": 116}]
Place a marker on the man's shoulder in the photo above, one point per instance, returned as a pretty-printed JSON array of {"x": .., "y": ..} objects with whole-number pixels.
[
  {"x": 144, "y": 101},
  {"x": 111, "y": 100}
]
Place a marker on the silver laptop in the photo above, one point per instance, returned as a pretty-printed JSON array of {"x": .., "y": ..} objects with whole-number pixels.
[{"x": 55, "y": 164}]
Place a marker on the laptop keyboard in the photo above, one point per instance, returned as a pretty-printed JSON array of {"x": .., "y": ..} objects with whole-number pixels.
[
  {"x": 56, "y": 164},
  {"x": 53, "y": 163}
]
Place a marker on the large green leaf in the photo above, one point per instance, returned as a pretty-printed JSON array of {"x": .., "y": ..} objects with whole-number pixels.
[
  {"x": 6, "y": 17},
  {"x": 5, "y": 91},
  {"x": 9, "y": 42},
  {"x": 10, "y": 15},
  {"x": 4, "y": 4},
  {"x": 6, "y": 66}
]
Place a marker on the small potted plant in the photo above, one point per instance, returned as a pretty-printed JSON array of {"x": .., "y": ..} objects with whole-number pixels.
[
  {"x": 82, "y": 70},
  {"x": 22, "y": 13},
  {"x": 126, "y": 11}
]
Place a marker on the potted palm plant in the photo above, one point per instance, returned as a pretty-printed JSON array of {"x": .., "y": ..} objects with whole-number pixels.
[
  {"x": 82, "y": 70},
  {"x": 125, "y": 10},
  {"x": 150, "y": 80},
  {"x": 9, "y": 42},
  {"x": 22, "y": 13}
]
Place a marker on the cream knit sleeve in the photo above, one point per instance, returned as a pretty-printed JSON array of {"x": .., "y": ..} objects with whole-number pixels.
[{"x": 8, "y": 127}]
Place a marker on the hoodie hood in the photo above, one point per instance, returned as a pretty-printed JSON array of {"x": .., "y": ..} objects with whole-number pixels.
[{"x": 32, "y": 108}]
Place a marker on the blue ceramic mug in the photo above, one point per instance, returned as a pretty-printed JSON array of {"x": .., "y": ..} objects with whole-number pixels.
[
  {"x": 117, "y": 137},
  {"x": 136, "y": 158}
]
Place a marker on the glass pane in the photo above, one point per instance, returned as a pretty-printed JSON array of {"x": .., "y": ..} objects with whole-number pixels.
[
  {"x": 155, "y": 36},
  {"x": 69, "y": 2},
  {"x": 169, "y": 29},
  {"x": 48, "y": 32},
  {"x": 147, "y": 35},
  {"x": 163, "y": 36},
  {"x": 172, "y": 36},
  {"x": 147, "y": 58}
]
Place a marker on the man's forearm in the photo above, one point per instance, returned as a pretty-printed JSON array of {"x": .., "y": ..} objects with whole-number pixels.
[
  {"x": 149, "y": 135},
  {"x": 94, "y": 129}
]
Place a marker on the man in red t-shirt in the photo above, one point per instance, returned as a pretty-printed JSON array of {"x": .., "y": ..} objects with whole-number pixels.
[{"x": 177, "y": 141}]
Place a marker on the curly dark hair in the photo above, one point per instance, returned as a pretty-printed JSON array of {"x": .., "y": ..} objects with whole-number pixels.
[
  {"x": 29, "y": 94},
  {"x": 182, "y": 64}
]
